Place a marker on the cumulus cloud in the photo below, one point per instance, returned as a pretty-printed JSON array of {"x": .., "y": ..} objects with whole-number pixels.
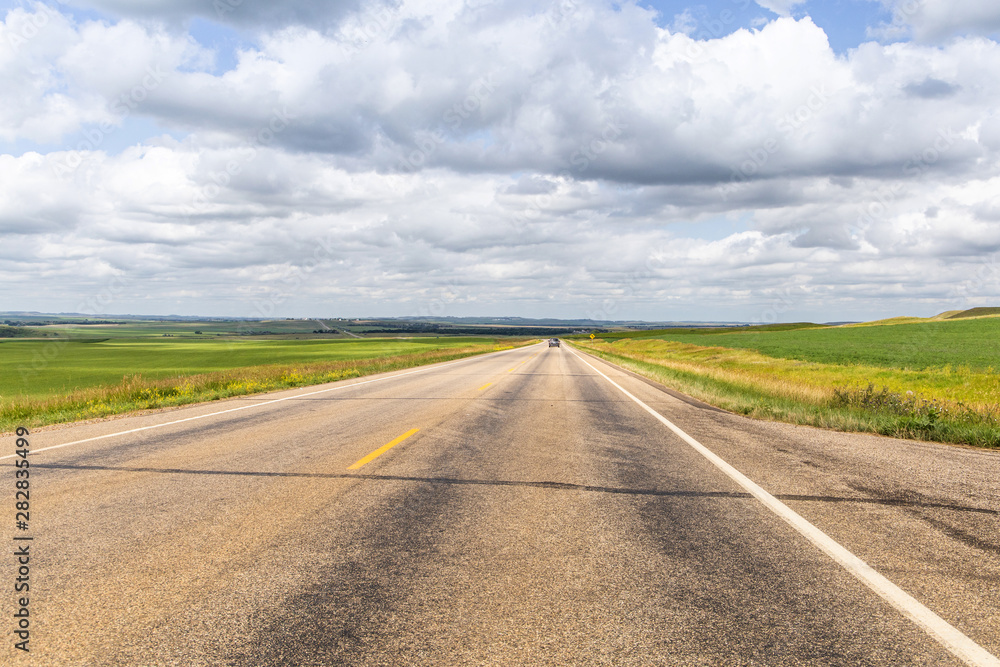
[
  {"x": 532, "y": 94},
  {"x": 36, "y": 105},
  {"x": 494, "y": 158},
  {"x": 59, "y": 77}
]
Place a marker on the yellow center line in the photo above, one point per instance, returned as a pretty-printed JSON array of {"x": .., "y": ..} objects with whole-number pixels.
[
  {"x": 511, "y": 370},
  {"x": 484, "y": 386},
  {"x": 383, "y": 449}
]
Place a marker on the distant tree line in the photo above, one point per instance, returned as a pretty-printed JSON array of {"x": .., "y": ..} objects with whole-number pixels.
[
  {"x": 14, "y": 332},
  {"x": 45, "y": 323}
]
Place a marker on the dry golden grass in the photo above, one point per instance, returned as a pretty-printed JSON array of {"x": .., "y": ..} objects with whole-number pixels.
[
  {"x": 804, "y": 381},
  {"x": 942, "y": 404}
]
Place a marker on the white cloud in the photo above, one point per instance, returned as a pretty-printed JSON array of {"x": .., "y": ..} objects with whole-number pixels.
[
  {"x": 530, "y": 96},
  {"x": 685, "y": 23},
  {"x": 35, "y": 105},
  {"x": 58, "y": 77},
  {"x": 490, "y": 158}
]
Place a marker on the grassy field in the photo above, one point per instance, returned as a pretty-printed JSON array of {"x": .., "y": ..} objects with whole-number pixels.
[
  {"x": 44, "y": 382},
  {"x": 199, "y": 330},
  {"x": 327, "y": 329},
  {"x": 967, "y": 343},
  {"x": 933, "y": 380},
  {"x": 973, "y": 312},
  {"x": 25, "y": 371}
]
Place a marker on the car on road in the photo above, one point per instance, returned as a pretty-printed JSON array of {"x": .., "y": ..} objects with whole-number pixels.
[{"x": 553, "y": 342}]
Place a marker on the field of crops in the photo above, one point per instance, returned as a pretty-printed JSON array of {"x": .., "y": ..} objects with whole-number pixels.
[
  {"x": 193, "y": 329},
  {"x": 41, "y": 368},
  {"x": 966, "y": 343},
  {"x": 935, "y": 379},
  {"x": 49, "y": 381}
]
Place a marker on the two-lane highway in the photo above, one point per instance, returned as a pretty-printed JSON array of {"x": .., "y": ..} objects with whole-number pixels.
[{"x": 513, "y": 508}]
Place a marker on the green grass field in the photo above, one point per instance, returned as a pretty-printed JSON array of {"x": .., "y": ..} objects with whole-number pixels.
[
  {"x": 25, "y": 370},
  {"x": 155, "y": 328},
  {"x": 44, "y": 382},
  {"x": 968, "y": 343},
  {"x": 934, "y": 379}
]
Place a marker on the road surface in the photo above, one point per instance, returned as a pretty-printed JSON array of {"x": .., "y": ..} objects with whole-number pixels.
[{"x": 518, "y": 508}]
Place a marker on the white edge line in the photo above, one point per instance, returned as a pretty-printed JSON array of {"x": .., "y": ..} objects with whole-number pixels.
[
  {"x": 257, "y": 405},
  {"x": 946, "y": 634}
]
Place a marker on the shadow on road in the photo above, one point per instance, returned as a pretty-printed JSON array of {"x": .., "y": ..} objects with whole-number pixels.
[{"x": 561, "y": 486}]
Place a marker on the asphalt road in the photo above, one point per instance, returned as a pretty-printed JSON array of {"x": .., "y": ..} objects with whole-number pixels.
[{"x": 537, "y": 516}]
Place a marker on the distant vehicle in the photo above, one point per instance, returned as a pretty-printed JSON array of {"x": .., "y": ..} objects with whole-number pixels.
[{"x": 553, "y": 342}]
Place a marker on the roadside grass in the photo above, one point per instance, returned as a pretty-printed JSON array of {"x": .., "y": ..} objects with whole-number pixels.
[
  {"x": 944, "y": 404},
  {"x": 134, "y": 392}
]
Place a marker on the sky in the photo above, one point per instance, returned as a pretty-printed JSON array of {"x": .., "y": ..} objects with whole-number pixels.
[{"x": 768, "y": 161}]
